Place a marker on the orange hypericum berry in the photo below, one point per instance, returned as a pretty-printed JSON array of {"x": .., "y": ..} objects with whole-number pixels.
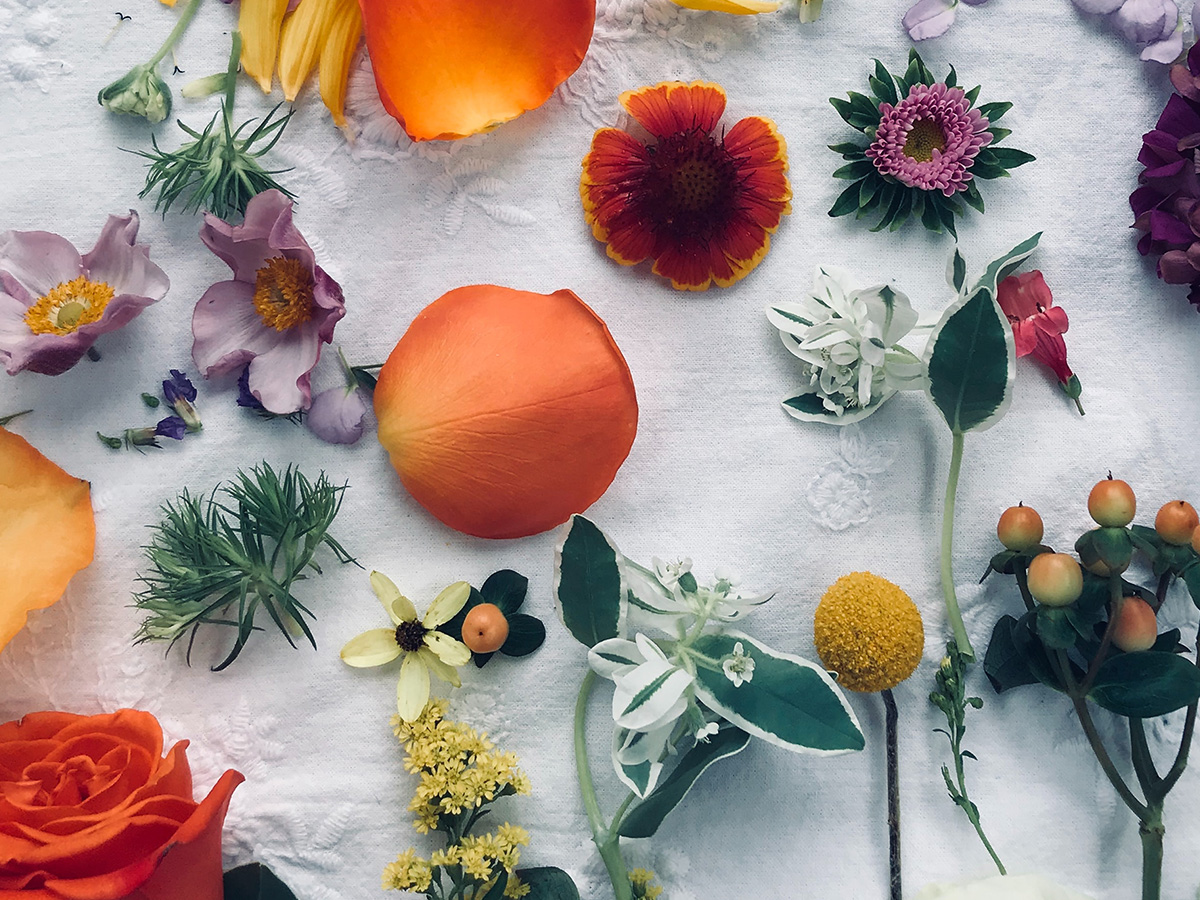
[
  {"x": 1020, "y": 528},
  {"x": 1136, "y": 625},
  {"x": 485, "y": 629},
  {"x": 1112, "y": 503},
  {"x": 1055, "y": 579},
  {"x": 1176, "y": 522}
]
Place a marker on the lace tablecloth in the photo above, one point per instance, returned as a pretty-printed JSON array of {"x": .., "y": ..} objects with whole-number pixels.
[{"x": 718, "y": 472}]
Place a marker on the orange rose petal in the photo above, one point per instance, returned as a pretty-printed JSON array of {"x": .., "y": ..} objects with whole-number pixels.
[
  {"x": 505, "y": 411},
  {"x": 47, "y": 531},
  {"x": 673, "y": 106},
  {"x": 450, "y": 69}
]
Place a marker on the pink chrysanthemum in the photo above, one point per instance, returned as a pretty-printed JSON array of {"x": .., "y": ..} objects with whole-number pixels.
[{"x": 929, "y": 139}]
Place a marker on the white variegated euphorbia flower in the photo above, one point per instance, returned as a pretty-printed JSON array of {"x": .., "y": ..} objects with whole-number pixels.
[
  {"x": 669, "y": 598},
  {"x": 847, "y": 340}
]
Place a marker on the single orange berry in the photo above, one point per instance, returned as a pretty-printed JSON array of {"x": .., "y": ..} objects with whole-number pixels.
[
  {"x": 1176, "y": 522},
  {"x": 485, "y": 629},
  {"x": 1055, "y": 579},
  {"x": 1136, "y": 625},
  {"x": 1112, "y": 503},
  {"x": 1020, "y": 528}
]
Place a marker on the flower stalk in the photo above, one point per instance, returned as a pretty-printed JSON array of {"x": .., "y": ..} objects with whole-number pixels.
[{"x": 947, "y": 557}]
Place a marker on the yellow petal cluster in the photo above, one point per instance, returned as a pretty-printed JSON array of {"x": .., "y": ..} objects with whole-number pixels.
[
  {"x": 869, "y": 632},
  {"x": 642, "y": 882},
  {"x": 408, "y": 873}
]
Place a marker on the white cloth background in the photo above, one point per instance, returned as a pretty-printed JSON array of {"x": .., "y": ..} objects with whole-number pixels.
[{"x": 718, "y": 471}]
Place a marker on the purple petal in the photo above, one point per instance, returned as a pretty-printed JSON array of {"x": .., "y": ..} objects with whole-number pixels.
[
  {"x": 177, "y": 386},
  {"x": 1175, "y": 268},
  {"x": 267, "y": 231},
  {"x": 172, "y": 427},
  {"x": 1101, "y": 7},
  {"x": 38, "y": 260},
  {"x": 928, "y": 18},
  {"x": 279, "y": 378},
  {"x": 1142, "y": 20},
  {"x": 1178, "y": 118},
  {"x": 1167, "y": 50},
  {"x": 974, "y": 2},
  {"x": 336, "y": 415},
  {"x": 1143, "y": 200},
  {"x": 1165, "y": 227},
  {"x": 123, "y": 264},
  {"x": 227, "y": 332}
]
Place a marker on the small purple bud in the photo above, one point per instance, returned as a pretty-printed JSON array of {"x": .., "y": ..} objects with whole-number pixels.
[
  {"x": 929, "y": 18},
  {"x": 336, "y": 415},
  {"x": 173, "y": 427}
]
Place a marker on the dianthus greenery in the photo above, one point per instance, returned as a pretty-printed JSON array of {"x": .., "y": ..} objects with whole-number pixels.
[{"x": 220, "y": 559}]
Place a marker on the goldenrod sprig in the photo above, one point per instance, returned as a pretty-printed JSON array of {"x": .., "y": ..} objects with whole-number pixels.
[
  {"x": 220, "y": 168},
  {"x": 219, "y": 559}
]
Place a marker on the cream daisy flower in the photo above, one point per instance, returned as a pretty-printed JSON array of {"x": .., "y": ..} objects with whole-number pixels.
[{"x": 424, "y": 649}]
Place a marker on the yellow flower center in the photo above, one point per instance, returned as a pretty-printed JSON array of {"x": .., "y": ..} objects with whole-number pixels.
[
  {"x": 924, "y": 137},
  {"x": 68, "y": 306},
  {"x": 283, "y": 293}
]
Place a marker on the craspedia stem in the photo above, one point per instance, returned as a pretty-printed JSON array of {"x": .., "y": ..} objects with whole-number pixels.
[{"x": 893, "y": 792}]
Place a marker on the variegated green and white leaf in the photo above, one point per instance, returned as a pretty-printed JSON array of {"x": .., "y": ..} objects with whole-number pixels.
[
  {"x": 651, "y": 693},
  {"x": 614, "y": 655},
  {"x": 810, "y": 408},
  {"x": 589, "y": 591},
  {"x": 788, "y": 701},
  {"x": 1003, "y": 266},
  {"x": 638, "y": 757}
]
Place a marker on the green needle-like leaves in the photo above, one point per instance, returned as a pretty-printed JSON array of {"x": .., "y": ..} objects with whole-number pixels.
[{"x": 220, "y": 559}]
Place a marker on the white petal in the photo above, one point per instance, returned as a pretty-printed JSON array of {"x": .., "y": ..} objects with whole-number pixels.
[
  {"x": 412, "y": 690},
  {"x": 607, "y": 658},
  {"x": 446, "y": 605},
  {"x": 447, "y": 649},
  {"x": 650, "y": 693},
  {"x": 371, "y": 648},
  {"x": 648, "y": 648},
  {"x": 448, "y": 674},
  {"x": 397, "y": 606}
]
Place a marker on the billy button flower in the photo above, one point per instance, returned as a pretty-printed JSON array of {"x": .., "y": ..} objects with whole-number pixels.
[
  {"x": 489, "y": 622},
  {"x": 424, "y": 648}
]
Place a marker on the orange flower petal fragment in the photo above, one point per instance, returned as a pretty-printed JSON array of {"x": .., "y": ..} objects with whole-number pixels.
[
  {"x": 450, "y": 69},
  {"x": 260, "y": 22},
  {"x": 504, "y": 411},
  {"x": 733, "y": 7},
  {"x": 337, "y": 54},
  {"x": 702, "y": 208},
  {"x": 47, "y": 531}
]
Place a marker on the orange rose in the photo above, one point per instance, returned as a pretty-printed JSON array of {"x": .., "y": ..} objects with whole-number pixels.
[{"x": 90, "y": 809}]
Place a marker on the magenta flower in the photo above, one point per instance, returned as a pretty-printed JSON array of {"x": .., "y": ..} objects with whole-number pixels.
[
  {"x": 930, "y": 139},
  {"x": 275, "y": 313},
  {"x": 54, "y": 303}
]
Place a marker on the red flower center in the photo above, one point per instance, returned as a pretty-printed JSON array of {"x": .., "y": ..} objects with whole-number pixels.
[{"x": 690, "y": 186}]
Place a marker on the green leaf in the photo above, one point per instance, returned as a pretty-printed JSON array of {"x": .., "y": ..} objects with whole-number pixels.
[
  {"x": 496, "y": 892},
  {"x": 993, "y": 112},
  {"x": 1055, "y": 629},
  {"x": 1146, "y": 684},
  {"x": 525, "y": 634},
  {"x": 1003, "y": 266},
  {"x": 867, "y": 189},
  {"x": 898, "y": 195},
  {"x": 365, "y": 379},
  {"x": 789, "y": 701},
  {"x": 931, "y": 217},
  {"x": 973, "y": 94},
  {"x": 1146, "y": 540},
  {"x": 255, "y": 882},
  {"x": 849, "y": 150},
  {"x": 588, "y": 588},
  {"x": 1010, "y": 158},
  {"x": 809, "y": 408},
  {"x": 972, "y": 196},
  {"x": 999, "y": 134},
  {"x": 855, "y": 170},
  {"x": 1191, "y": 578},
  {"x": 846, "y": 203},
  {"x": 548, "y": 883},
  {"x": 956, "y": 271},
  {"x": 645, "y": 818},
  {"x": 844, "y": 108},
  {"x": 882, "y": 84},
  {"x": 506, "y": 589},
  {"x": 1005, "y": 664},
  {"x": 905, "y": 208},
  {"x": 971, "y": 359},
  {"x": 951, "y": 79}
]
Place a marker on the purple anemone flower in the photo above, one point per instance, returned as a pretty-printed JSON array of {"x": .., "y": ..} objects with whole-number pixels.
[
  {"x": 55, "y": 303},
  {"x": 336, "y": 416},
  {"x": 932, "y": 18},
  {"x": 929, "y": 139},
  {"x": 177, "y": 387},
  {"x": 277, "y": 311}
]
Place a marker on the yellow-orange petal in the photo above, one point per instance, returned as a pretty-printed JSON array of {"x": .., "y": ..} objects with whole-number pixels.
[
  {"x": 259, "y": 22},
  {"x": 505, "y": 411},
  {"x": 300, "y": 41},
  {"x": 734, "y": 7},
  {"x": 47, "y": 531},
  {"x": 341, "y": 43},
  {"x": 450, "y": 68},
  {"x": 671, "y": 106}
]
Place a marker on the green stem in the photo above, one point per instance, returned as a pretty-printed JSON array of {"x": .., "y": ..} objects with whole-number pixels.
[
  {"x": 970, "y": 809},
  {"x": 1143, "y": 764},
  {"x": 619, "y": 815},
  {"x": 185, "y": 19},
  {"x": 956, "y": 621},
  {"x": 235, "y": 57},
  {"x": 606, "y": 840},
  {"x": 1022, "y": 573},
  {"x": 1152, "y": 832},
  {"x": 1115, "y": 599}
]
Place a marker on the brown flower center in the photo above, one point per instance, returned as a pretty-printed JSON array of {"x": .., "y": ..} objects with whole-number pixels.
[
  {"x": 68, "y": 306},
  {"x": 924, "y": 137},
  {"x": 283, "y": 293},
  {"x": 692, "y": 185},
  {"x": 695, "y": 184},
  {"x": 410, "y": 636}
]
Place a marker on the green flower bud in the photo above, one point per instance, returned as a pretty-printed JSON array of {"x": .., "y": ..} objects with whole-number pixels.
[{"x": 141, "y": 92}]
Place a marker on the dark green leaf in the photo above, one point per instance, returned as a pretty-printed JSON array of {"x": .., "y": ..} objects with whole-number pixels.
[
  {"x": 587, "y": 584},
  {"x": 365, "y": 379},
  {"x": 1168, "y": 642},
  {"x": 855, "y": 170},
  {"x": 957, "y": 271},
  {"x": 1055, "y": 629},
  {"x": 255, "y": 882},
  {"x": 951, "y": 79},
  {"x": 1010, "y": 158},
  {"x": 506, "y": 589},
  {"x": 867, "y": 189},
  {"x": 1146, "y": 540},
  {"x": 882, "y": 84},
  {"x": 849, "y": 150},
  {"x": 973, "y": 94},
  {"x": 971, "y": 360},
  {"x": 844, "y": 108},
  {"x": 525, "y": 634},
  {"x": 496, "y": 892},
  {"x": 972, "y": 196},
  {"x": 807, "y": 403},
  {"x": 930, "y": 216},
  {"x": 645, "y": 818},
  {"x": 1004, "y": 663},
  {"x": 1191, "y": 578},
  {"x": 898, "y": 195},
  {"x": 993, "y": 112},
  {"x": 988, "y": 171},
  {"x": 1146, "y": 684},
  {"x": 548, "y": 883},
  {"x": 947, "y": 210},
  {"x": 906, "y": 201},
  {"x": 999, "y": 134},
  {"x": 846, "y": 203}
]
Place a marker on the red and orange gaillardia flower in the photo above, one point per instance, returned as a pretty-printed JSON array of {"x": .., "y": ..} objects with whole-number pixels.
[{"x": 702, "y": 206}]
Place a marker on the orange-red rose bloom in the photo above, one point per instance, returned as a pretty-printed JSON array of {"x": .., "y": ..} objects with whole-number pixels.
[
  {"x": 450, "y": 68},
  {"x": 506, "y": 411},
  {"x": 91, "y": 810},
  {"x": 702, "y": 207}
]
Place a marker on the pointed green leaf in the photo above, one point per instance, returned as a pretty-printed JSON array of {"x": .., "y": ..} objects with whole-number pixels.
[
  {"x": 1055, "y": 629},
  {"x": 893, "y": 208},
  {"x": 497, "y": 890},
  {"x": 846, "y": 203},
  {"x": 906, "y": 202},
  {"x": 1003, "y": 266},
  {"x": 588, "y": 589},
  {"x": 548, "y": 883},
  {"x": 973, "y": 94},
  {"x": 855, "y": 170},
  {"x": 849, "y": 150},
  {"x": 789, "y": 701},
  {"x": 643, "y": 820},
  {"x": 844, "y": 108},
  {"x": 956, "y": 271},
  {"x": 972, "y": 196},
  {"x": 1191, "y": 578},
  {"x": 1146, "y": 684},
  {"x": 506, "y": 589},
  {"x": 1010, "y": 158},
  {"x": 809, "y": 408},
  {"x": 999, "y": 134},
  {"x": 951, "y": 78},
  {"x": 525, "y": 634},
  {"x": 993, "y": 112}
]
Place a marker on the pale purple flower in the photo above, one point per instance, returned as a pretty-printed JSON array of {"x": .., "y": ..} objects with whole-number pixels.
[
  {"x": 336, "y": 415},
  {"x": 55, "y": 303},
  {"x": 275, "y": 313},
  {"x": 1143, "y": 21},
  {"x": 931, "y": 18},
  {"x": 929, "y": 139}
]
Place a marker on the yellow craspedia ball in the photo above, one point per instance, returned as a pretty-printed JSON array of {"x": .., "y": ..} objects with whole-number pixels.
[{"x": 869, "y": 632}]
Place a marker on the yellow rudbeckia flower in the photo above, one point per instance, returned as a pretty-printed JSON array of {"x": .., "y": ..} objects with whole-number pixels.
[{"x": 424, "y": 649}]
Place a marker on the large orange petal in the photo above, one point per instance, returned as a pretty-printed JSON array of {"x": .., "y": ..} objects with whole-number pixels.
[
  {"x": 505, "y": 411},
  {"x": 47, "y": 531},
  {"x": 450, "y": 68}
]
